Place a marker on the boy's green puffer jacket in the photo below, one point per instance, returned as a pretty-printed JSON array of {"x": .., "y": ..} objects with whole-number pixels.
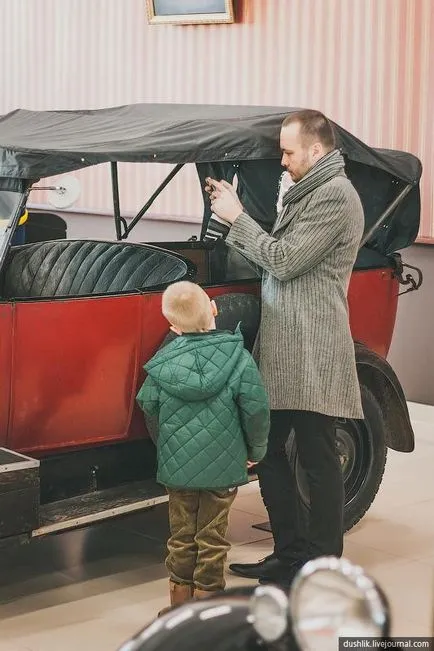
[{"x": 212, "y": 409}]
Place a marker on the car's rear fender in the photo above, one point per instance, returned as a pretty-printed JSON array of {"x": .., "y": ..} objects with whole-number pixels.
[{"x": 378, "y": 376}]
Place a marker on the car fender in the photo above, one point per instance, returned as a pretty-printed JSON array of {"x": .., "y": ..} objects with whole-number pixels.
[
  {"x": 223, "y": 620},
  {"x": 377, "y": 375}
]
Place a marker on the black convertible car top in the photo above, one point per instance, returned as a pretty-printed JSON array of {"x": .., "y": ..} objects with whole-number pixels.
[
  {"x": 36, "y": 144},
  {"x": 217, "y": 138}
]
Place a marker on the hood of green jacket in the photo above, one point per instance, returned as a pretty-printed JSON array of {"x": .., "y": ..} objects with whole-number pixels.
[{"x": 196, "y": 366}]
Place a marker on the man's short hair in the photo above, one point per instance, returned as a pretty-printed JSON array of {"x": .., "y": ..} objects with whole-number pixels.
[
  {"x": 186, "y": 306},
  {"x": 314, "y": 126}
]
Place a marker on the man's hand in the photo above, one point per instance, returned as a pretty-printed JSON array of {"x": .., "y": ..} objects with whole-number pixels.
[
  {"x": 224, "y": 200},
  {"x": 250, "y": 464}
]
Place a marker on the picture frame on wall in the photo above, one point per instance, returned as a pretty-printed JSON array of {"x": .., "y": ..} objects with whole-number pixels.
[{"x": 190, "y": 12}]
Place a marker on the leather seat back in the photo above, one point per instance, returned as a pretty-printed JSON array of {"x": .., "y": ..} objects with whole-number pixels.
[{"x": 85, "y": 267}]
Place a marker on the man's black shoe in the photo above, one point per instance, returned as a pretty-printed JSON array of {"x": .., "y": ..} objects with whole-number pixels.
[
  {"x": 264, "y": 567},
  {"x": 285, "y": 578}
]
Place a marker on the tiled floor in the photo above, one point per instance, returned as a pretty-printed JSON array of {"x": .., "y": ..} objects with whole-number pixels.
[{"x": 94, "y": 588}]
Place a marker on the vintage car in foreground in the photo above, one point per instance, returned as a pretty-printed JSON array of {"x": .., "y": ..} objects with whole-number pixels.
[
  {"x": 333, "y": 604},
  {"x": 78, "y": 319}
]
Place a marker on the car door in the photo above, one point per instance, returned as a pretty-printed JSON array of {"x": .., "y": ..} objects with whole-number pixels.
[{"x": 74, "y": 371}]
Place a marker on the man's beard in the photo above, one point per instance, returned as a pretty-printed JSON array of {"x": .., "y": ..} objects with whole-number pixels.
[{"x": 302, "y": 169}]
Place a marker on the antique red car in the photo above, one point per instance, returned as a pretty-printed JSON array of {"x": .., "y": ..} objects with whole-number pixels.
[{"x": 78, "y": 319}]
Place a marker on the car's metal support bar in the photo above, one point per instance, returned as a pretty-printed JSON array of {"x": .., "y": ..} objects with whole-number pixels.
[
  {"x": 5, "y": 241},
  {"x": 151, "y": 200},
  {"x": 385, "y": 214},
  {"x": 116, "y": 203}
]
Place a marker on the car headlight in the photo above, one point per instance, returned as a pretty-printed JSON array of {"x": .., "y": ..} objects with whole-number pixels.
[
  {"x": 269, "y": 612},
  {"x": 333, "y": 598}
]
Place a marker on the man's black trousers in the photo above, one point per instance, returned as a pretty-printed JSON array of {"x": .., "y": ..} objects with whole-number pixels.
[{"x": 316, "y": 447}]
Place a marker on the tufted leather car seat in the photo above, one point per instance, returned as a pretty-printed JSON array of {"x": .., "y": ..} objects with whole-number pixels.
[{"x": 83, "y": 267}]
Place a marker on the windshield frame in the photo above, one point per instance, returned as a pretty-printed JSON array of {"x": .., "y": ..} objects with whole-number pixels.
[{"x": 7, "y": 235}]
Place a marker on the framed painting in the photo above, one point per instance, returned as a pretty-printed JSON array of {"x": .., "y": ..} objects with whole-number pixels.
[{"x": 190, "y": 12}]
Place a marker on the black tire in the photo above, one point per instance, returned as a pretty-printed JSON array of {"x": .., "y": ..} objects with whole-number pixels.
[
  {"x": 363, "y": 451},
  {"x": 232, "y": 310}
]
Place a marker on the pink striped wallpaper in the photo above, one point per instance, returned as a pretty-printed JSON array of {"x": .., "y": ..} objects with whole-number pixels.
[{"x": 369, "y": 64}]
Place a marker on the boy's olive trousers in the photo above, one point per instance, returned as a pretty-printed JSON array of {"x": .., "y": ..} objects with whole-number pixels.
[{"x": 197, "y": 547}]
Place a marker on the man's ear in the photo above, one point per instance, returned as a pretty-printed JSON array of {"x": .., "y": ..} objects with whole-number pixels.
[
  {"x": 176, "y": 330},
  {"x": 317, "y": 150},
  {"x": 214, "y": 308}
]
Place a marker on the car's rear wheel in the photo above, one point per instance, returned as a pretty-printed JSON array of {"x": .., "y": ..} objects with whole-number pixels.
[{"x": 363, "y": 452}]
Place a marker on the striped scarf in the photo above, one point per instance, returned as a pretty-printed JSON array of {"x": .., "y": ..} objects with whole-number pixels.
[{"x": 324, "y": 170}]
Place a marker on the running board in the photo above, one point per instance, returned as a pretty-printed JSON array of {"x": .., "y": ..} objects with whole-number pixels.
[{"x": 86, "y": 509}]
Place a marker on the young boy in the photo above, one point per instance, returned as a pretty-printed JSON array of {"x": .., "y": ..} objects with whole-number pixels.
[{"x": 213, "y": 422}]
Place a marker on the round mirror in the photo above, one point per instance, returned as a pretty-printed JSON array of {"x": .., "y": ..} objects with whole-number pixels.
[
  {"x": 62, "y": 195},
  {"x": 67, "y": 193},
  {"x": 332, "y": 598}
]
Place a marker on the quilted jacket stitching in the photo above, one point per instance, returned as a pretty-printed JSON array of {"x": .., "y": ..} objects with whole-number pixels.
[{"x": 213, "y": 425}]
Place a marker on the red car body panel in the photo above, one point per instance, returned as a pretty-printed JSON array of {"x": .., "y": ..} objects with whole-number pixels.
[
  {"x": 373, "y": 302},
  {"x": 6, "y": 338},
  {"x": 71, "y": 367},
  {"x": 74, "y": 371}
]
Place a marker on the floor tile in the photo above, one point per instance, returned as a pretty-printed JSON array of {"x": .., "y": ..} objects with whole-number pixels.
[
  {"x": 393, "y": 496},
  {"x": 394, "y": 537},
  {"x": 407, "y": 628},
  {"x": 117, "y": 558},
  {"x": 426, "y": 560},
  {"x": 13, "y": 646},
  {"x": 407, "y": 532},
  {"x": 241, "y": 531},
  {"x": 420, "y": 412},
  {"x": 251, "y": 503},
  {"x": 409, "y": 588},
  {"x": 251, "y": 487},
  {"x": 42, "y": 585},
  {"x": 83, "y": 599},
  {"x": 369, "y": 558},
  {"x": 81, "y": 605},
  {"x": 96, "y": 635}
]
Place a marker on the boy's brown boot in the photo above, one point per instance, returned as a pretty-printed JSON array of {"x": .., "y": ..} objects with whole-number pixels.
[
  {"x": 201, "y": 594},
  {"x": 180, "y": 593}
]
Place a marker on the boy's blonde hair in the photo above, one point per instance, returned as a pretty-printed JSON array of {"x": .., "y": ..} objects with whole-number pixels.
[{"x": 187, "y": 307}]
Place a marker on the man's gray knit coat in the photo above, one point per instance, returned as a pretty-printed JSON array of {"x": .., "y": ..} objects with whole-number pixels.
[{"x": 306, "y": 352}]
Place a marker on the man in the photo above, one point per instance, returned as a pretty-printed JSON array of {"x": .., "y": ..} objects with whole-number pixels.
[{"x": 306, "y": 352}]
